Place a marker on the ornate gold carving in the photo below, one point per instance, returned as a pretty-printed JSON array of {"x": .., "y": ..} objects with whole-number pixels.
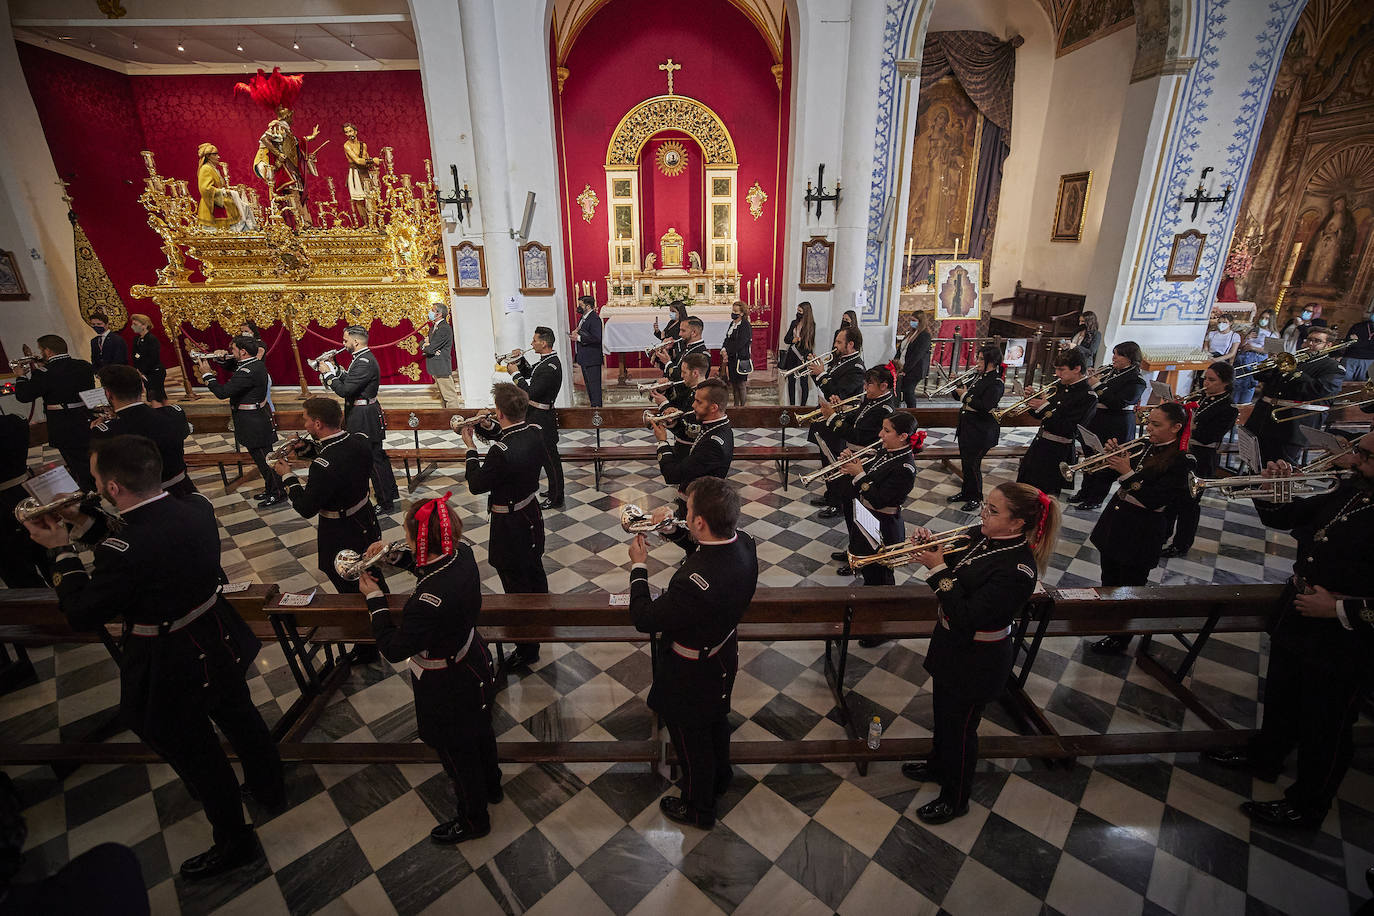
[
  {"x": 756, "y": 197},
  {"x": 410, "y": 343},
  {"x": 94, "y": 291},
  {"x": 671, "y": 158},
  {"x": 777, "y": 74},
  {"x": 671, "y": 112},
  {"x": 588, "y": 200},
  {"x": 562, "y": 73},
  {"x": 410, "y": 371},
  {"x": 670, "y": 248}
]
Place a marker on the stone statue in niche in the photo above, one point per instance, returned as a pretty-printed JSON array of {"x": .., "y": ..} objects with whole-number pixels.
[
  {"x": 1330, "y": 247},
  {"x": 362, "y": 178},
  {"x": 649, "y": 261},
  {"x": 694, "y": 259}
]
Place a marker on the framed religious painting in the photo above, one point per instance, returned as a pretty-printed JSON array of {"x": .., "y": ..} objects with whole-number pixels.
[
  {"x": 956, "y": 290},
  {"x": 1072, "y": 207},
  {"x": 817, "y": 263},
  {"x": 11, "y": 283},
  {"x": 469, "y": 269},
  {"x": 536, "y": 272},
  {"x": 1186, "y": 256},
  {"x": 944, "y": 167}
]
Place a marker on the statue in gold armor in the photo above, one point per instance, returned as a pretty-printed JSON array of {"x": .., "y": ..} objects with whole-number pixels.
[{"x": 282, "y": 160}]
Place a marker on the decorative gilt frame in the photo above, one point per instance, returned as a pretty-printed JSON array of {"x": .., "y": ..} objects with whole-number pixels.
[
  {"x": 1064, "y": 181},
  {"x": 816, "y": 242},
  {"x": 1177, "y": 271},
  {"x": 479, "y": 290},
  {"x": 525, "y": 288},
  {"x": 22, "y": 293}
]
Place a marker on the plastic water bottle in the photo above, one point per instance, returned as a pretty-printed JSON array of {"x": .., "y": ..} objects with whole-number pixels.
[{"x": 875, "y": 733}]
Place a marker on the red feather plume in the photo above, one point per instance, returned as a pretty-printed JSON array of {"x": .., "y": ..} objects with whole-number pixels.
[{"x": 278, "y": 90}]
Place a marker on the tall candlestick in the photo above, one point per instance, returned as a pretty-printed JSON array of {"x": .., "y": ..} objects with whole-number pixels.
[
  {"x": 957, "y": 242},
  {"x": 766, "y": 301},
  {"x": 909, "y": 242},
  {"x": 1292, "y": 262}
]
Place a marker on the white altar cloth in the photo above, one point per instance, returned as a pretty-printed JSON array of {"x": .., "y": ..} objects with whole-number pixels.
[{"x": 630, "y": 328}]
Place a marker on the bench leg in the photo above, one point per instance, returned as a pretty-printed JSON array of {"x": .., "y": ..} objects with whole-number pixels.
[
  {"x": 410, "y": 487},
  {"x": 596, "y": 470},
  {"x": 421, "y": 474},
  {"x": 834, "y": 670}
]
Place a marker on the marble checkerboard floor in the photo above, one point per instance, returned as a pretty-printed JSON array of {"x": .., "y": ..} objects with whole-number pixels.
[{"x": 1150, "y": 834}]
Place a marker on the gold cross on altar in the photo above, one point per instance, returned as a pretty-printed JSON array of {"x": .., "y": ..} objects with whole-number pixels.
[{"x": 670, "y": 67}]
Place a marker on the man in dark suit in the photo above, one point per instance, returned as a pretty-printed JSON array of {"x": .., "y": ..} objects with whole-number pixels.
[
  {"x": 107, "y": 347},
  {"x": 362, "y": 414},
  {"x": 438, "y": 352},
  {"x": 59, "y": 381},
  {"x": 133, "y": 416},
  {"x": 587, "y": 335}
]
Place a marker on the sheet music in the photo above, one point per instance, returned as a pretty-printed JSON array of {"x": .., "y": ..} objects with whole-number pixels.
[
  {"x": 1090, "y": 439},
  {"x": 1248, "y": 445},
  {"x": 1160, "y": 392},
  {"x": 95, "y": 397},
  {"x": 52, "y": 483},
  {"x": 296, "y": 599},
  {"x": 1273, "y": 345},
  {"x": 868, "y": 524},
  {"x": 1320, "y": 438}
]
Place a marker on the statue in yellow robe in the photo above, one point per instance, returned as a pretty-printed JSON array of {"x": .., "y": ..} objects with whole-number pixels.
[{"x": 215, "y": 197}]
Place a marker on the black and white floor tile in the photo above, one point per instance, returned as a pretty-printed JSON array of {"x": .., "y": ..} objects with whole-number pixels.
[{"x": 1154, "y": 834}]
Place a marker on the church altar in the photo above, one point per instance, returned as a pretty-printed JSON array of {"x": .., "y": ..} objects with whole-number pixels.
[{"x": 630, "y": 328}]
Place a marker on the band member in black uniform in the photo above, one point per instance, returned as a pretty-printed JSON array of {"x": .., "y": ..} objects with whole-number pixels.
[
  {"x": 853, "y": 430},
  {"x": 23, "y": 563},
  {"x": 881, "y": 484},
  {"x": 510, "y": 473},
  {"x": 542, "y": 381},
  {"x": 587, "y": 336},
  {"x": 450, "y": 670},
  {"x": 1061, "y": 408},
  {"x": 797, "y": 345},
  {"x": 1118, "y": 391},
  {"x": 842, "y": 378},
  {"x": 670, "y": 351},
  {"x": 1213, "y": 418},
  {"x": 246, "y": 390},
  {"x": 184, "y": 648},
  {"x": 709, "y": 454},
  {"x": 1130, "y": 534},
  {"x": 124, "y": 389},
  {"x": 698, "y": 652},
  {"x": 981, "y": 588},
  {"x": 690, "y": 342},
  {"x": 913, "y": 352},
  {"x": 107, "y": 347},
  {"x": 437, "y": 349},
  {"x": 736, "y": 352},
  {"x": 147, "y": 357},
  {"x": 362, "y": 412},
  {"x": 1317, "y": 377},
  {"x": 1321, "y": 648},
  {"x": 695, "y": 368},
  {"x": 59, "y": 380},
  {"x": 978, "y": 431}
]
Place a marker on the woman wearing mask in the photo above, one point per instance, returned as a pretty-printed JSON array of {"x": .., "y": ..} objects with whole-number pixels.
[
  {"x": 147, "y": 357},
  {"x": 913, "y": 352},
  {"x": 1292, "y": 333},
  {"x": 738, "y": 357},
  {"x": 797, "y": 344},
  {"x": 1088, "y": 338},
  {"x": 1212, "y": 422},
  {"x": 669, "y": 332},
  {"x": 850, "y": 319},
  {"x": 1251, "y": 351},
  {"x": 1224, "y": 341}
]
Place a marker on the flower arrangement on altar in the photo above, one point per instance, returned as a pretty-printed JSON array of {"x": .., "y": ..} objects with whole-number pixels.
[{"x": 667, "y": 295}]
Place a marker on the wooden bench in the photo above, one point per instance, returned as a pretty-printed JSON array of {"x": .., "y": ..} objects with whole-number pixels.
[{"x": 1038, "y": 312}]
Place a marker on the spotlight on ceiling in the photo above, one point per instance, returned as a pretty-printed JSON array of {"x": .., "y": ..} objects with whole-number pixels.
[
  {"x": 239, "y": 47},
  {"x": 181, "y": 47},
  {"x": 295, "y": 45},
  {"x": 135, "y": 45}
]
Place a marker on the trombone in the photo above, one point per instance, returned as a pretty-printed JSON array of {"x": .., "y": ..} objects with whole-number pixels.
[
  {"x": 1100, "y": 461},
  {"x": 815, "y": 359},
  {"x": 1288, "y": 362},
  {"x": 1020, "y": 407},
  {"x": 29, "y": 508},
  {"x": 961, "y": 381},
  {"x": 902, "y": 554},
  {"x": 1273, "y": 489},
  {"x": 835, "y": 471},
  {"x": 1364, "y": 395},
  {"x": 637, "y": 521},
  {"x": 457, "y": 421},
  {"x": 1326, "y": 461},
  {"x": 670, "y": 416},
  {"x": 848, "y": 404},
  {"x": 326, "y": 357},
  {"x": 350, "y": 565}
]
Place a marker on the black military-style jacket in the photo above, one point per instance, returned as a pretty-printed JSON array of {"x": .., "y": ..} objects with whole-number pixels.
[
  {"x": 981, "y": 590},
  {"x": 541, "y": 381},
  {"x": 510, "y": 471},
  {"x": 147, "y": 359},
  {"x": 60, "y": 383},
  {"x": 361, "y": 380},
  {"x": 1212, "y": 421},
  {"x": 885, "y": 483},
  {"x": 1314, "y": 378},
  {"x": 1113, "y": 416},
  {"x": 860, "y": 427},
  {"x": 336, "y": 480},
  {"x": 673, "y": 368},
  {"x": 160, "y": 566},
  {"x": 246, "y": 391},
  {"x": 978, "y": 429},
  {"x": 168, "y": 435},
  {"x": 709, "y": 455},
  {"x": 1133, "y": 526},
  {"x": 1067, "y": 407},
  {"x": 843, "y": 377},
  {"x": 698, "y": 652}
]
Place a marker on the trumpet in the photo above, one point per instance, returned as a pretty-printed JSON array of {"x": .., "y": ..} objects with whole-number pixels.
[
  {"x": 668, "y": 416},
  {"x": 26, "y": 363},
  {"x": 1273, "y": 489},
  {"x": 959, "y": 381},
  {"x": 288, "y": 449},
  {"x": 835, "y": 471},
  {"x": 636, "y": 521},
  {"x": 902, "y": 554},
  {"x": 848, "y": 404},
  {"x": 1021, "y": 406},
  {"x": 350, "y": 565},
  {"x": 815, "y": 359},
  {"x": 1327, "y": 460},
  {"x": 656, "y": 386},
  {"x": 661, "y": 345},
  {"x": 503, "y": 359},
  {"x": 1100, "y": 461},
  {"x": 326, "y": 357},
  {"x": 457, "y": 422},
  {"x": 1092, "y": 376},
  {"x": 29, "y": 508}
]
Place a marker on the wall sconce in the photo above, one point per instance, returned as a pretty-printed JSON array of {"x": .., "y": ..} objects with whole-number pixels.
[
  {"x": 1200, "y": 196},
  {"x": 819, "y": 195},
  {"x": 461, "y": 199}
]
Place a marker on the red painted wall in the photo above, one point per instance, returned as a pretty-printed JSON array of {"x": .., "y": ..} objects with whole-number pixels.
[
  {"x": 97, "y": 121},
  {"x": 726, "y": 64}
]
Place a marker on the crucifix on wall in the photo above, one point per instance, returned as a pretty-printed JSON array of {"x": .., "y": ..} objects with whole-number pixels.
[{"x": 670, "y": 67}]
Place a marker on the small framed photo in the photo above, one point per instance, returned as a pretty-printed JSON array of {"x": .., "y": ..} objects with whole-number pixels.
[
  {"x": 817, "y": 263},
  {"x": 1015, "y": 355},
  {"x": 956, "y": 290},
  {"x": 1186, "y": 256},
  {"x": 11, "y": 283},
  {"x": 536, "y": 271},
  {"x": 1071, "y": 207},
  {"x": 469, "y": 269}
]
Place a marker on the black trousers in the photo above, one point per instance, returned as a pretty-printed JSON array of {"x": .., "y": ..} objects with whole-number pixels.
[
  {"x": 1183, "y": 518},
  {"x": 553, "y": 462},
  {"x": 383, "y": 477},
  {"x": 472, "y": 767},
  {"x": 270, "y": 478},
  {"x": 1115, "y": 572},
  {"x": 1312, "y": 708},
  {"x": 104, "y": 879},
  {"x": 909, "y": 386},
  {"x": 971, "y": 466},
  {"x": 792, "y": 382},
  {"x": 23, "y": 561},
  {"x": 1096, "y": 486},
  {"x": 703, "y": 753},
  {"x": 78, "y": 462},
  {"x": 196, "y": 755},
  {"x": 591, "y": 377},
  {"x": 954, "y": 754}
]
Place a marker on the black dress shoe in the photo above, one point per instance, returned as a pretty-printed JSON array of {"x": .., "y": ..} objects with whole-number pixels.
[
  {"x": 1087, "y": 507},
  {"x": 1110, "y": 645},
  {"x": 920, "y": 771},
  {"x": 840, "y": 555},
  {"x": 456, "y": 831},
  {"x": 940, "y": 812},
  {"x": 818, "y": 501},
  {"x": 220, "y": 858},
  {"x": 828, "y": 512},
  {"x": 525, "y": 654},
  {"x": 388, "y": 508},
  {"x": 544, "y": 494},
  {"x": 675, "y": 809},
  {"x": 1282, "y": 813},
  {"x": 363, "y": 655},
  {"x": 550, "y": 504},
  {"x": 496, "y": 796},
  {"x": 956, "y": 498},
  {"x": 973, "y": 505},
  {"x": 845, "y": 570},
  {"x": 273, "y": 500},
  {"x": 1173, "y": 553},
  {"x": 261, "y": 494},
  {"x": 1240, "y": 759},
  {"x": 872, "y": 642}
]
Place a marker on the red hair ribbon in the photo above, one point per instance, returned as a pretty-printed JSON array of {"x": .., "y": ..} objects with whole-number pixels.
[
  {"x": 1002, "y": 370},
  {"x": 1044, "y": 516},
  {"x": 892, "y": 368},
  {"x": 1187, "y": 433},
  {"x": 918, "y": 440},
  {"x": 422, "y": 517}
]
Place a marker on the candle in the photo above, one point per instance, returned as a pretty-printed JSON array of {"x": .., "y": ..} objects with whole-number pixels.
[
  {"x": 909, "y": 242},
  {"x": 766, "y": 302},
  {"x": 957, "y": 242}
]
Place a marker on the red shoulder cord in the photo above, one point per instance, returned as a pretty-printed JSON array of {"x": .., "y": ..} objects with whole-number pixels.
[
  {"x": 437, "y": 507},
  {"x": 1044, "y": 516},
  {"x": 1187, "y": 433},
  {"x": 1002, "y": 371}
]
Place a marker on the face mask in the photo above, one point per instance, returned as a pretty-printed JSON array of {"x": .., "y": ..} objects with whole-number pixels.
[
  {"x": 799, "y": 314},
  {"x": 1223, "y": 327},
  {"x": 1306, "y": 316},
  {"x": 99, "y": 329},
  {"x": 1264, "y": 322}
]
